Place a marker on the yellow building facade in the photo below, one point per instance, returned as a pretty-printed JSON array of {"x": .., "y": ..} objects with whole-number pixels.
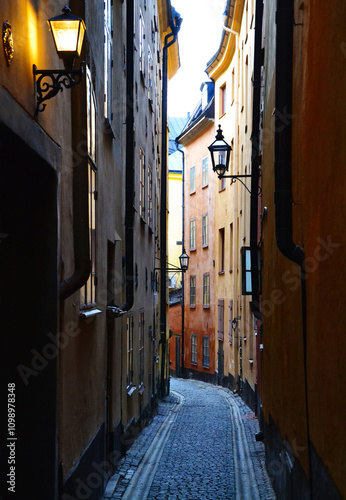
[{"x": 231, "y": 70}]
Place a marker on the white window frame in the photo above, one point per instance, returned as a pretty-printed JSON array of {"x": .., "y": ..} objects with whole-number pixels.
[
  {"x": 193, "y": 289},
  {"x": 192, "y": 179},
  {"x": 205, "y": 237},
  {"x": 108, "y": 58},
  {"x": 193, "y": 349},
  {"x": 141, "y": 348},
  {"x": 206, "y": 351},
  {"x": 205, "y": 168},
  {"x": 193, "y": 234},
  {"x": 87, "y": 294},
  {"x": 206, "y": 290},
  {"x": 142, "y": 182},
  {"x": 141, "y": 44},
  {"x": 129, "y": 352}
]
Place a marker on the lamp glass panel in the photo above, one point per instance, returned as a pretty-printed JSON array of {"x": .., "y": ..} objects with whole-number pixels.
[
  {"x": 66, "y": 35},
  {"x": 80, "y": 38}
]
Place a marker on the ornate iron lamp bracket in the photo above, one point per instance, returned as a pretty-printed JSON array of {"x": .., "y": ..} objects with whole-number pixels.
[{"x": 49, "y": 82}]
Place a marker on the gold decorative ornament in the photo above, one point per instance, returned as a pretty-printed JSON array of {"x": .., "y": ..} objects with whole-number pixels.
[{"x": 7, "y": 40}]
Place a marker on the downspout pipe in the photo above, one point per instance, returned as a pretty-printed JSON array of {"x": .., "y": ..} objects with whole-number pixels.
[
  {"x": 283, "y": 174},
  {"x": 129, "y": 161},
  {"x": 170, "y": 39},
  {"x": 82, "y": 262},
  {"x": 283, "y": 133},
  {"x": 255, "y": 153}
]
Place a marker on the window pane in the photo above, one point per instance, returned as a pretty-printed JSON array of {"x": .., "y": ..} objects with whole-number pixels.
[
  {"x": 192, "y": 290},
  {"x": 192, "y": 234},
  {"x": 205, "y": 172},
  {"x": 192, "y": 179}
]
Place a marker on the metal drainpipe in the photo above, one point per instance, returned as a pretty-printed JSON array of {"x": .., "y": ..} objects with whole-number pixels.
[
  {"x": 82, "y": 263},
  {"x": 130, "y": 146},
  {"x": 182, "y": 274},
  {"x": 170, "y": 39},
  {"x": 255, "y": 161},
  {"x": 282, "y": 168}
]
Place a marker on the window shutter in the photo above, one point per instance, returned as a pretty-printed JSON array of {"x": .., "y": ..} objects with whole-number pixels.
[
  {"x": 220, "y": 326},
  {"x": 230, "y": 317}
]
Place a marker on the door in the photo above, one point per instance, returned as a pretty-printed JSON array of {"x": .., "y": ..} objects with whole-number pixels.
[{"x": 28, "y": 307}]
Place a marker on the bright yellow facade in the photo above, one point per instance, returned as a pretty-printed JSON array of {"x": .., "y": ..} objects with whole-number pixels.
[
  {"x": 174, "y": 223},
  {"x": 231, "y": 70}
]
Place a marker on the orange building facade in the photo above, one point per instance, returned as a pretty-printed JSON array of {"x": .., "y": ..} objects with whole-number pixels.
[
  {"x": 303, "y": 253},
  {"x": 199, "y": 280}
]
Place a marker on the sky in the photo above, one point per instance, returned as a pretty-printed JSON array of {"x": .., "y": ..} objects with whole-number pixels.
[{"x": 199, "y": 39}]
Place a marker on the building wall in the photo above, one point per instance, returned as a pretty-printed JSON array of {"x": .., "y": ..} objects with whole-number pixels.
[
  {"x": 199, "y": 320},
  {"x": 73, "y": 356},
  {"x": 293, "y": 409},
  {"x": 175, "y": 222},
  {"x": 232, "y": 72}
]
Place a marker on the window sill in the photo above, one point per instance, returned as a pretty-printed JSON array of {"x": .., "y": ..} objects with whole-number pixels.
[
  {"x": 192, "y": 192},
  {"x": 90, "y": 313},
  {"x": 109, "y": 128},
  {"x": 141, "y": 389},
  {"x": 206, "y": 367},
  {"x": 205, "y": 186},
  {"x": 205, "y": 246},
  {"x": 193, "y": 363},
  {"x": 130, "y": 390},
  {"x": 206, "y": 306},
  {"x": 220, "y": 273},
  {"x": 192, "y": 306}
]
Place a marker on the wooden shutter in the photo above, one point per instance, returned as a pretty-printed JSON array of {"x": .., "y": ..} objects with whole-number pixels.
[
  {"x": 220, "y": 323},
  {"x": 230, "y": 317}
]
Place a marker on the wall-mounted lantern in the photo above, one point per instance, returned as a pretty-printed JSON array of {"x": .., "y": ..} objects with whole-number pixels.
[
  {"x": 68, "y": 34},
  {"x": 184, "y": 264},
  {"x": 184, "y": 261},
  {"x": 220, "y": 155}
]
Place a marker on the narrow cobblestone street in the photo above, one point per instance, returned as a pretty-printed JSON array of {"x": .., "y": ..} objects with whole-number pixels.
[{"x": 200, "y": 446}]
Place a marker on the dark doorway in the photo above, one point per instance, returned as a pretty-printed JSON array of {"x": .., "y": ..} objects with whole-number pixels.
[{"x": 28, "y": 309}]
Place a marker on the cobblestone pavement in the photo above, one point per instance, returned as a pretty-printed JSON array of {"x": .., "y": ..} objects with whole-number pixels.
[{"x": 200, "y": 446}]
